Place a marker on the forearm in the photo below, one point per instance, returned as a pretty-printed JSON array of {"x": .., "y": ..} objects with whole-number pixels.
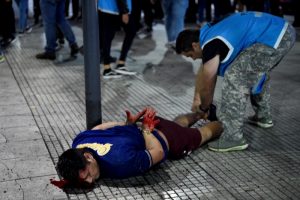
[
  {"x": 197, "y": 85},
  {"x": 208, "y": 79},
  {"x": 207, "y": 91},
  {"x": 153, "y": 146}
]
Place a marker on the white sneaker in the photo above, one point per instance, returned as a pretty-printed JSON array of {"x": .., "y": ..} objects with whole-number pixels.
[{"x": 124, "y": 70}]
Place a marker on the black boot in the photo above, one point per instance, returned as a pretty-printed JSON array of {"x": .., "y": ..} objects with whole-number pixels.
[
  {"x": 74, "y": 49},
  {"x": 46, "y": 55}
]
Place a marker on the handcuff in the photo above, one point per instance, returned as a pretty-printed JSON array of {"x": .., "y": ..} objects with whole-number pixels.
[{"x": 203, "y": 110}]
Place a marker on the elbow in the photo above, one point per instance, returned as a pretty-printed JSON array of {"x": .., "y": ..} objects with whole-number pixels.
[
  {"x": 158, "y": 156},
  {"x": 161, "y": 154}
]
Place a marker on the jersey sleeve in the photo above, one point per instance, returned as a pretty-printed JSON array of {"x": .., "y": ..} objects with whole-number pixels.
[{"x": 213, "y": 48}]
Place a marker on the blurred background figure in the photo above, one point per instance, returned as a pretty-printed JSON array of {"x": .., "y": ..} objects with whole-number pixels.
[
  {"x": 7, "y": 21},
  {"x": 23, "y": 15},
  {"x": 75, "y": 9},
  {"x": 174, "y": 14},
  {"x": 53, "y": 16},
  {"x": 36, "y": 11}
]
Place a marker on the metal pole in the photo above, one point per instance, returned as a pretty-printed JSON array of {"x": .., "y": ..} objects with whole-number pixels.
[{"x": 91, "y": 63}]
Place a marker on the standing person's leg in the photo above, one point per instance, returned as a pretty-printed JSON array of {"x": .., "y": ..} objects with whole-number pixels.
[
  {"x": 67, "y": 6},
  {"x": 235, "y": 91},
  {"x": 65, "y": 27},
  {"x": 148, "y": 14},
  {"x": 75, "y": 8},
  {"x": 177, "y": 12},
  {"x": 36, "y": 10},
  {"x": 8, "y": 25},
  {"x": 245, "y": 71},
  {"x": 208, "y": 10},
  {"x": 166, "y": 6},
  {"x": 23, "y": 10},
  {"x": 130, "y": 32},
  {"x": 201, "y": 7},
  {"x": 266, "y": 58},
  {"x": 296, "y": 6},
  {"x": 48, "y": 10},
  {"x": 108, "y": 25}
]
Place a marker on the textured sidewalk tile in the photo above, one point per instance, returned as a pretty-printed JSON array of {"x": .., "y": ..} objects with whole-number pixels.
[
  {"x": 26, "y": 168},
  {"x": 14, "y": 109},
  {"x": 38, "y": 188},
  {"x": 14, "y": 134},
  {"x": 23, "y": 149},
  {"x": 16, "y": 121}
]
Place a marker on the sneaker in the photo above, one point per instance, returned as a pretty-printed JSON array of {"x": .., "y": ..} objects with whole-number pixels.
[
  {"x": 109, "y": 73},
  {"x": 122, "y": 69},
  {"x": 28, "y": 29},
  {"x": 171, "y": 45},
  {"x": 21, "y": 33},
  {"x": 263, "y": 122},
  {"x": 46, "y": 55},
  {"x": 221, "y": 145},
  {"x": 2, "y": 58},
  {"x": 145, "y": 33},
  {"x": 74, "y": 49},
  {"x": 6, "y": 42}
]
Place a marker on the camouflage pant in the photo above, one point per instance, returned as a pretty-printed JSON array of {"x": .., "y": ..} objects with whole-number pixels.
[{"x": 245, "y": 71}]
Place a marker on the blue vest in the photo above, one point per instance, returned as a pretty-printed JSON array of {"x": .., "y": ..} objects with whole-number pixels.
[
  {"x": 241, "y": 30},
  {"x": 111, "y": 7}
]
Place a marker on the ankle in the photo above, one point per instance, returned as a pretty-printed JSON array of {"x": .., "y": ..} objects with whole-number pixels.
[{"x": 106, "y": 67}]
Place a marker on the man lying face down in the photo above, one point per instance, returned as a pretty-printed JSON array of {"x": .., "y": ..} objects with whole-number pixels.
[{"x": 126, "y": 149}]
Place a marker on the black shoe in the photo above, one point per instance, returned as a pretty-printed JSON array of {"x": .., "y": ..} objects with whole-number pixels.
[
  {"x": 46, "y": 55},
  {"x": 74, "y": 49},
  {"x": 212, "y": 113},
  {"x": 6, "y": 42},
  {"x": 109, "y": 73}
]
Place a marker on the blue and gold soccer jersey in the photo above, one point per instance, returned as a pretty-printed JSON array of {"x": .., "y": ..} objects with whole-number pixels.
[{"x": 120, "y": 150}]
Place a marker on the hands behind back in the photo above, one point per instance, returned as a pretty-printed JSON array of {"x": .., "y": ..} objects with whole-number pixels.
[
  {"x": 149, "y": 121},
  {"x": 131, "y": 119}
]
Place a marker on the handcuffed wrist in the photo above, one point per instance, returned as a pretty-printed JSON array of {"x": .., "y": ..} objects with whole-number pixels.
[
  {"x": 205, "y": 110},
  {"x": 146, "y": 131}
]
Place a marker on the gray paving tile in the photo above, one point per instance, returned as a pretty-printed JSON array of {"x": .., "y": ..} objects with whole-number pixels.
[
  {"x": 16, "y": 121},
  {"x": 23, "y": 149},
  {"x": 21, "y": 168},
  {"x": 33, "y": 189},
  {"x": 15, "y": 134}
]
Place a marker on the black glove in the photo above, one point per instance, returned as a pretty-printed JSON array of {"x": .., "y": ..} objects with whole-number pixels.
[{"x": 212, "y": 115}]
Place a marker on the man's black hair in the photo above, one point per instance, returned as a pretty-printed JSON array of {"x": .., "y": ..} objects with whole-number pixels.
[
  {"x": 70, "y": 162},
  {"x": 185, "y": 39}
]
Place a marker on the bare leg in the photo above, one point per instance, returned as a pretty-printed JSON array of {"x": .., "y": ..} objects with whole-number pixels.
[
  {"x": 210, "y": 131},
  {"x": 187, "y": 120}
]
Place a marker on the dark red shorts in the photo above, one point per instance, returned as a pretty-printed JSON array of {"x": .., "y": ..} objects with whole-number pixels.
[{"x": 182, "y": 140}]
